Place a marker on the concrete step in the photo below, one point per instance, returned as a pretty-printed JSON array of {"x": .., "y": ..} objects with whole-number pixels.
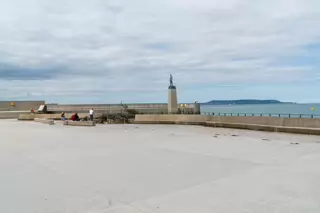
[
  {"x": 80, "y": 123},
  {"x": 26, "y": 117}
]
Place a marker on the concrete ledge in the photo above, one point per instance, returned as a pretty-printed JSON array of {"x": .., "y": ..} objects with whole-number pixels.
[
  {"x": 80, "y": 123},
  {"x": 44, "y": 121},
  {"x": 172, "y": 122},
  {"x": 271, "y": 124},
  {"x": 298, "y": 130},
  {"x": 58, "y": 116},
  {"x": 183, "y": 122},
  {"x": 12, "y": 114},
  {"x": 26, "y": 117}
]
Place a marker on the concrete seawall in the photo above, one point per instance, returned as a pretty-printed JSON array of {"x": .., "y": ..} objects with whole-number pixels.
[
  {"x": 58, "y": 116},
  {"x": 290, "y": 125},
  {"x": 119, "y": 108},
  {"x": 12, "y": 114},
  {"x": 20, "y": 105}
]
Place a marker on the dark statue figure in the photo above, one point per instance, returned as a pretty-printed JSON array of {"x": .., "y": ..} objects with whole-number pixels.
[{"x": 171, "y": 83}]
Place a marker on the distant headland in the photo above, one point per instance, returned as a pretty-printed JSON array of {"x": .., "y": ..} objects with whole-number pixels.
[{"x": 244, "y": 101}]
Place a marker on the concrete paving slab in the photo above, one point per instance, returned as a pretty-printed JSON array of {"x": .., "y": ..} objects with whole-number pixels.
[
  {"x": 155, "y": 168},
  {"x": 44, "y": 121},
  {"x": 80, "y": 123}
]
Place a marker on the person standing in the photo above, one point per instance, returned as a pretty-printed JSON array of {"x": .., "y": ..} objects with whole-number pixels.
[{"x": 91, "y": 113}]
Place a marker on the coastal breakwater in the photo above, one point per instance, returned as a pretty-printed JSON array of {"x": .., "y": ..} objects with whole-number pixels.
[
  {"x": 289, "y": 125},
  {"x": 152, "y": 108},
  {"x": 20, "y": 105}
]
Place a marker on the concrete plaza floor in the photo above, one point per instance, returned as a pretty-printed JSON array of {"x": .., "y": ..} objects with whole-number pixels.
[{"x": 155, "y": 169}]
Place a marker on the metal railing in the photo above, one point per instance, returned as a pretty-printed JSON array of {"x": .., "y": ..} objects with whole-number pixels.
[{"x": 279, "y": 115}]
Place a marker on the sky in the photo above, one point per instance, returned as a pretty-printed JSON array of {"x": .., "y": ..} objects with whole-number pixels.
[{"x": 108, "y": 51}]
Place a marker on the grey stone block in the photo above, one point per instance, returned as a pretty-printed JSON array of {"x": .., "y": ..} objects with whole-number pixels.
[
  {"x": 26, "y": 117},
  {"x": 80, "y": 123}
]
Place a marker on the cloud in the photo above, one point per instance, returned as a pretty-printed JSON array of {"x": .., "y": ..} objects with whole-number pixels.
[{"x": 124, "y": 50}]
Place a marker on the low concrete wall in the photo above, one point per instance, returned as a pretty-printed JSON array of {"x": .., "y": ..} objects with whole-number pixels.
[
  {"x": 80, "y": 123},
  {"x": 202, "y": 119},
  {"x": 12, "y": 114},
  {"x": 173, "y": 119},
  {"x": 20, "y": 105},
  {"x": 292, "y": 125},
  {"x": 256, "y": 127},
  {"x": 26, "y": 117},
  {"x": 58, "y": 116}
]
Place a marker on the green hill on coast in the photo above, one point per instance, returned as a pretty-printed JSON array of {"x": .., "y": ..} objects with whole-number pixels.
[{"x": 244, "y": 101}]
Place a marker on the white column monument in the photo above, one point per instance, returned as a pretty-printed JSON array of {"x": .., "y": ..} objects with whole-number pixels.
[{"x": 172, "y": 98}]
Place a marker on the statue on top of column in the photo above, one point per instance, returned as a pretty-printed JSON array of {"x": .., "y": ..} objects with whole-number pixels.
[{"x": 171, "y": 83}]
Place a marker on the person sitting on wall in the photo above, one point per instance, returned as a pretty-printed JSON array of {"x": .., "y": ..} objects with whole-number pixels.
[
  {"x": 75, "y": 117},
  {"x": 63, "y": 116}
]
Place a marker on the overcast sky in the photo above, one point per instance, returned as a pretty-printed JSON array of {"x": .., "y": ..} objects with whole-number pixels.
[{"x": 107, "y": 51}]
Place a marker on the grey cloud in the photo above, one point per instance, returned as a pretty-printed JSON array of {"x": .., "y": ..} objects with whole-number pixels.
[
  {"x": 24, "y": 73},
  {"x": 134, "y": 45}
]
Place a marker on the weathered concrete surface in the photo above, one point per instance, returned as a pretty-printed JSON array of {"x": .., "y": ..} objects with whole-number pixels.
[
  {"x": 58, "y": 115},
  {"x": 12, "y": 114},
  {"x": 44, "y": 121},
  {"x": 20, "y": 105},
  {"x": 156, "y": 168},
  {"x": 26, "y": 117},
  {"x": 256, "y": 127},
  {"x": 80, "y": 123},
  {"x": 172, "y": 119},
  {"x": 289, "y": 125}
]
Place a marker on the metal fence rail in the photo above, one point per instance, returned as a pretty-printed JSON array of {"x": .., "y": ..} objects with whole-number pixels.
[{"x": 280, "y": 115}]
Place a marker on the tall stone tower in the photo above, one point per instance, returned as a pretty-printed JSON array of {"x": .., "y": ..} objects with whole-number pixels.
[{"x": 172, "y": 98}]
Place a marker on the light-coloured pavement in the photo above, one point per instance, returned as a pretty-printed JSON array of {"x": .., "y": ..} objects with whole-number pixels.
[{"x": 155, "y": 169}]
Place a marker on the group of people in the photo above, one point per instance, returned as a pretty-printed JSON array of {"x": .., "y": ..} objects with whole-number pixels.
[{"x": 75, "y": 117}]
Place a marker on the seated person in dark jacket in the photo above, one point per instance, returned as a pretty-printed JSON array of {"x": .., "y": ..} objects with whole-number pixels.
[{"x": 75, "y": 117}]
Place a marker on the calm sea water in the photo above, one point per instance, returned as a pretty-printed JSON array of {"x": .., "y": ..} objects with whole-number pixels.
[{"x": 266, "y": 109}]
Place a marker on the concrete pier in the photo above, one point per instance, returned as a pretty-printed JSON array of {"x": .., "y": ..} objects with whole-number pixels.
[{"x": 156, "y": 168}]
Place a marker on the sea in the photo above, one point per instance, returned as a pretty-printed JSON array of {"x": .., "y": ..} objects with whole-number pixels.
[{"x": 284, "y": 110}]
